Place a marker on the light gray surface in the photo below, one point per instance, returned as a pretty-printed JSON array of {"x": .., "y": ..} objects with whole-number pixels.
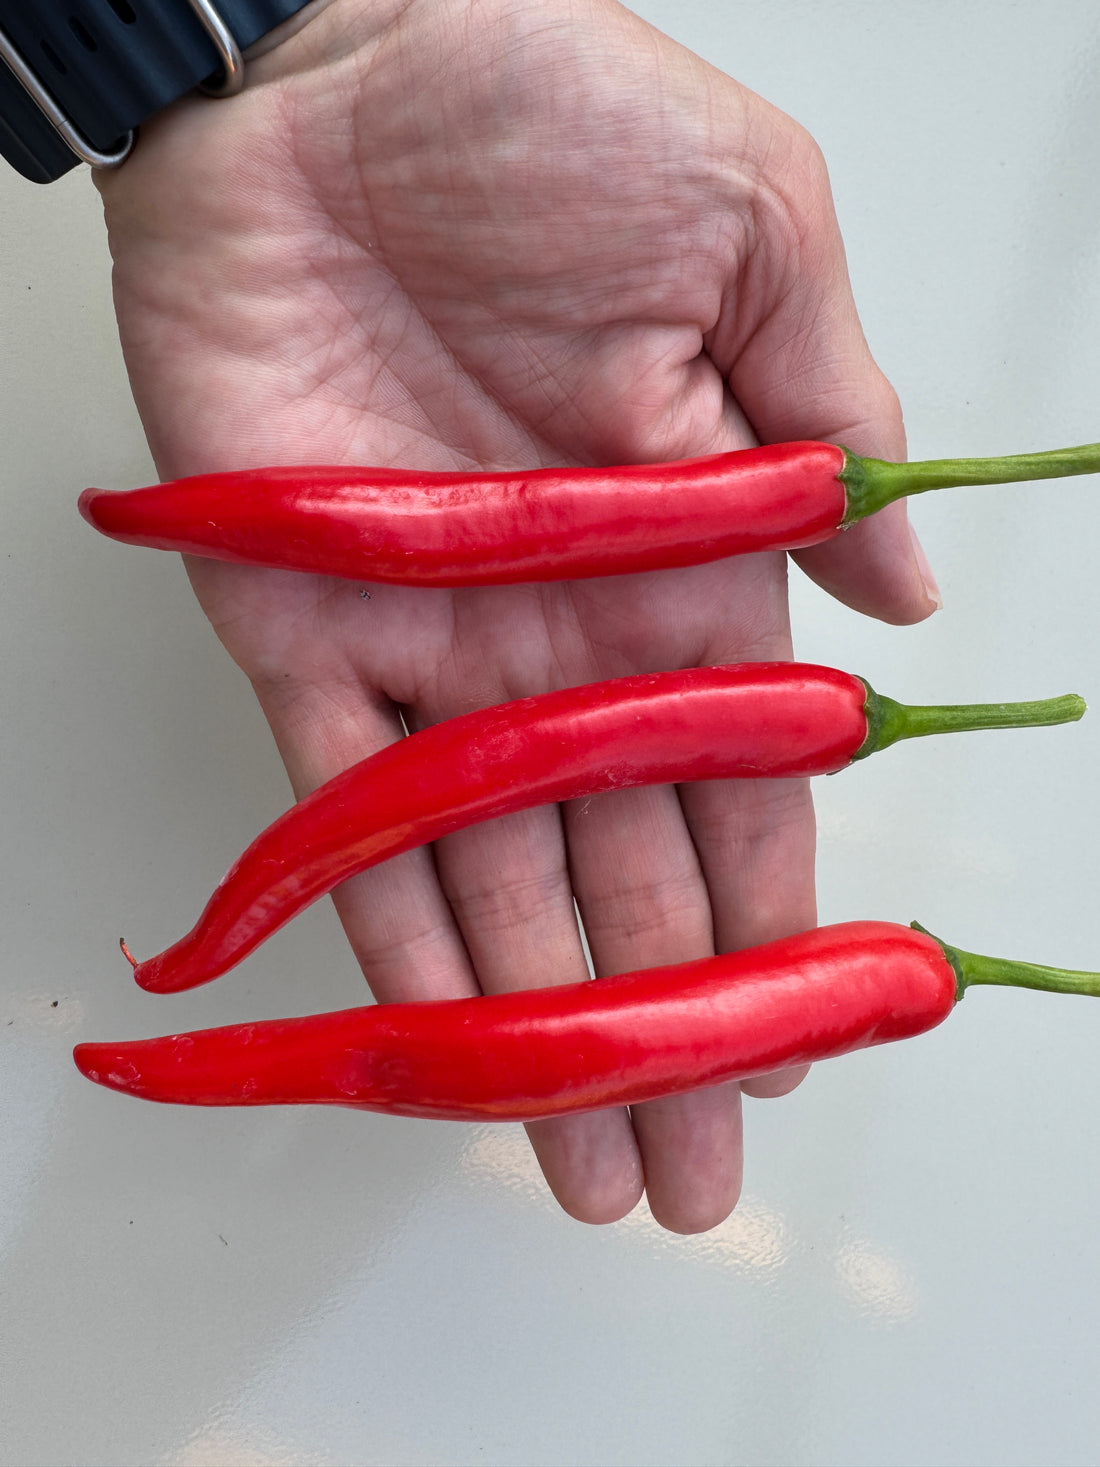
[{"x": 912, "y": 1277}]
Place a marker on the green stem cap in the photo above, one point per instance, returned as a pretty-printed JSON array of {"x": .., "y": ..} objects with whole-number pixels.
[
  {"x": 872, "y": 483},
  {"x": 971, "y": 969},
  {"x": 888, "y": 722}
]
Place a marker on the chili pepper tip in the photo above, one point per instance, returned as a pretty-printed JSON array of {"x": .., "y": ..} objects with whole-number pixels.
[
  {"x": 104, "y": 1064},
  {"x": 83, "y": 1060},
  {"x": 126, "y": 953}
]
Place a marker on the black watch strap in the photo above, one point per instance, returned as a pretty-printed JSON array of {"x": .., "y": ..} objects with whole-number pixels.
[{"x": 98, "y": 68}]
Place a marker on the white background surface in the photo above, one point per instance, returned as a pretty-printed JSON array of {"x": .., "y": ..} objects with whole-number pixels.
[{"x": 912, "y": 1277}]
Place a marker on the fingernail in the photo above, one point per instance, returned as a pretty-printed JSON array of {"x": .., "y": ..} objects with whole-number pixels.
[{"x": 931, "y": 587}]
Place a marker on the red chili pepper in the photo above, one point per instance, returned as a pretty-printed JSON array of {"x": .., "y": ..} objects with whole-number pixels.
[
  {"x": 752, "y": 720},
  {"x": 611, "y": 1041},
  {"x": 470, "y": 529}
]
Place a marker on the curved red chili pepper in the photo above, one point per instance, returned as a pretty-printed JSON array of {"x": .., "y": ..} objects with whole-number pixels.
[
  {"x": 470, "y": 529},
  {"x": 753, "y": 720},
  {"x": 611, "y": 1041}
]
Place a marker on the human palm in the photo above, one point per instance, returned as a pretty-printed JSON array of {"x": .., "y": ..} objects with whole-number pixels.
[{"x": 507, "y": 233}]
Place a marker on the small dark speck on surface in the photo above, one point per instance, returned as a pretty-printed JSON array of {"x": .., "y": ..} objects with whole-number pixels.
[
  {"x": 364, "y": 594},
  {"x": 54, "y": 1004}
]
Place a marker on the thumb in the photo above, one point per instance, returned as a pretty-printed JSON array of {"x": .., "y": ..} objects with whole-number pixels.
[{"x": 802, "y": 369}]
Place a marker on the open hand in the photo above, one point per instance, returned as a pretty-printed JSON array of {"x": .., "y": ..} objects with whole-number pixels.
[{"x": 508, "y": 233}]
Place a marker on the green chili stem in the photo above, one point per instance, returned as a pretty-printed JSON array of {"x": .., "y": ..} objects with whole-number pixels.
[
  {"x": 972, "y": 969},
  {"x": 872, "y": 483},
  {"x": 888, "y": 722}
]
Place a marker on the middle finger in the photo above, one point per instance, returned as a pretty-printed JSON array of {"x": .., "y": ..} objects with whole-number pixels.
[
  {"x": 644, "y": 901},
  {"x": 507, "y": 883}
]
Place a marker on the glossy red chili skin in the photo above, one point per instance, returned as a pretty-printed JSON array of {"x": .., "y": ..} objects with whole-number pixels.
[
  {"x": 752, "y": 720},
  {"x": 554, "y": 1051},
  {"x": 471, "y": 529}
]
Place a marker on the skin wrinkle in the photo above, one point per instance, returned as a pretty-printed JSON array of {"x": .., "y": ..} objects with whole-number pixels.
[
  {"x": 416, "y": 398},
  {"x": 329, "y": 694},
  {"x": 538, "y": 665},
  {"x": 773, "y": 233},
  {"x": 646, "y": 907},
  {"x": 576, "y": 643},
  {"x": 786, "y": 808},
  {"x": 508, "y": 904},
  {"x": 609, "y": 651},
  {"x": 412, "y": 950},
  {"x": 651, "y": 417},
  {"x": 326, "y": 375},
  {"x": 800, "y": 370},
  {"x": 763, "y": 634}
]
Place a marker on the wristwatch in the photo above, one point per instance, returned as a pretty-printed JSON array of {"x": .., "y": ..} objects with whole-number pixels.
[{"x": 77, "y": 77}]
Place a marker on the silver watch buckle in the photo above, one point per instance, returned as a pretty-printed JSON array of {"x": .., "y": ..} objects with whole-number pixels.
[
  {"x": 229, "y": 53},
  {"x": 230, "y": 81}
]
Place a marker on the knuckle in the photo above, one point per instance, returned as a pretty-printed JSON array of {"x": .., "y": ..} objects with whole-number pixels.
[
  {"x": 511, "y": 902},
  {"x": 641, "y": 908}
]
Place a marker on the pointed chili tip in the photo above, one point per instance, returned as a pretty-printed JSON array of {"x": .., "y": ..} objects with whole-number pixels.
[
  {"x": 144, "y": 981},
  {"x": 150, "y": 975},
  {"x": 85, "y": 502},
  {"x": 84, "y": 1057},
  {"x": 127, "y": 954},
  {"x": 103, "y": 1064}
]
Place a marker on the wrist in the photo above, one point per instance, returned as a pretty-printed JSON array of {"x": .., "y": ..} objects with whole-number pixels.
[
  {"x": 323, "y": 32},
  {"x": 285, "y": 32}
]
